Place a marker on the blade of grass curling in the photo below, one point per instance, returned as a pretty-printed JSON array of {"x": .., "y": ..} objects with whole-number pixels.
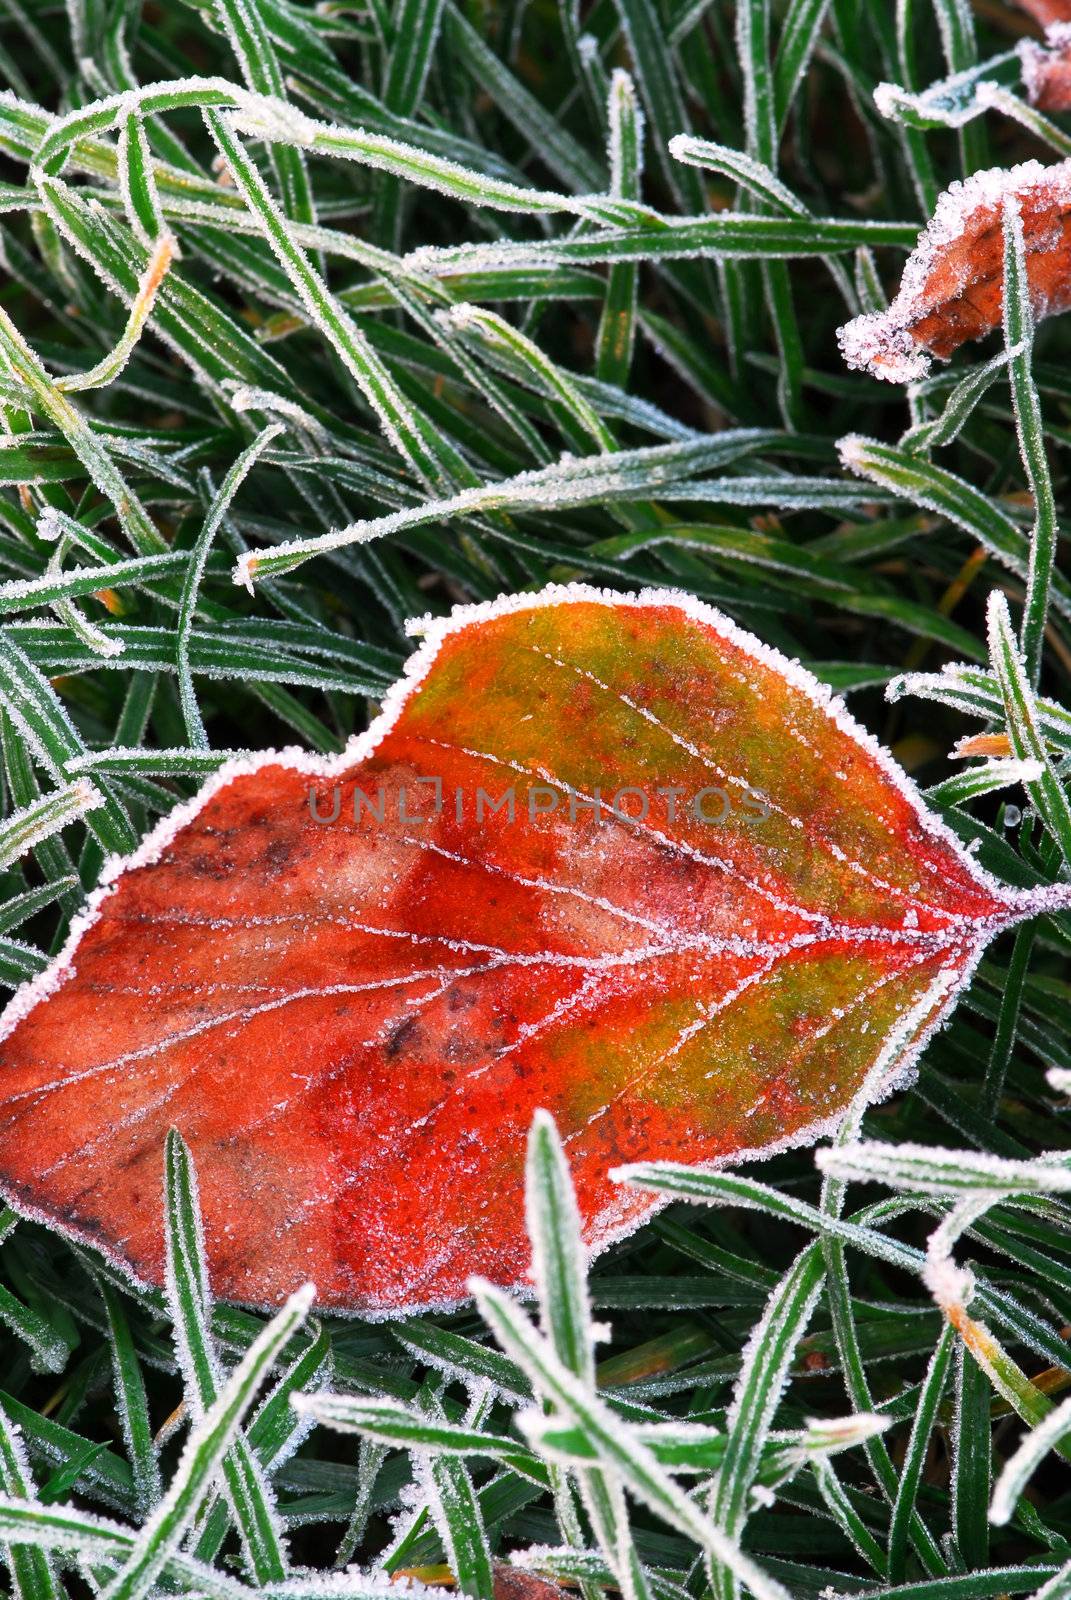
[
  {"x": 30, "y": 1569},
  {"x": 617, "y": 322},
  {"x": 1021, "y": 1465},
  {"x": 86, "y": 632},
  {"x": 1019, "y": 342},
  {"x": 111, "y": 365},
  {"x": 953, "y": 1290},
  {"x": 559, "y": 1269},
  {"x": 205, "y": 1450},
  {"x": 24, "y": 365},
  {"x": 251, "y": 1499},
  {"x": 1009, "y": 666},
  {"x": 203, "y": 334},
  {"x": 191, "y": 584}
]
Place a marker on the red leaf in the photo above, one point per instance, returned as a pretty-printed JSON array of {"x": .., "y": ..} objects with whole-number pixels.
[
  {"x": 1046, "y": 11},
  {"x": 1047, "y": 68},
  {"x": 953, "y": 283},
  {"x": 352, "y": 1024}
]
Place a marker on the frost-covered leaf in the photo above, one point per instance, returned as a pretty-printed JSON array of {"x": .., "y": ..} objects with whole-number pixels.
[
  {"x": 607, "y": 856},
  {"x": 952, "y": 287},
  {"x": 1046, "y": 11},
  {"x": 1047, "y": 69}
]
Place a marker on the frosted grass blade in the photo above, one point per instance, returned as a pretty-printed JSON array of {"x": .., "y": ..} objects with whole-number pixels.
[
  {"x": 1010, "y": 668},
  {"x": 219, "y": 508},
  {"x": 29, "y": 1567},
  {"x": 188, "y": 1296},
  {"x": 433, "y": 460},
  {"x": 205, "y": 1450},
  {"x": 22, "y": 831},
  {"x": 617, "y": 324},
  {"x": 1018, "y": 342},
  {"x": 637, "y": 1468}
]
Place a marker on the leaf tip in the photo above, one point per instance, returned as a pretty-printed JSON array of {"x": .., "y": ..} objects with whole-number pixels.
[{"x": 244, "y": 571}]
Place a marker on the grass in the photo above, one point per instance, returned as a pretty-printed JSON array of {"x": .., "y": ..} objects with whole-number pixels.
[{"x": 394, "y": 306}]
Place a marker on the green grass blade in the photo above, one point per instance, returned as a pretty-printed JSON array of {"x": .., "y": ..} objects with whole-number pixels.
[
  {"x": 188, "y": 1294},
  {"x": 1018, "y": 340},
  {"x": 29, "y": 1567},
  {"x": 204, "y": 1453},
  {"x": 617, "y": 324}
]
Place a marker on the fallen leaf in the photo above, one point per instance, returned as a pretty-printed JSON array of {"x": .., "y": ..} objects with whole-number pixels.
[
  {"x": 352, "y": 1023},
  {"x": 1047, "y": 67},
  {"x": 515, "y": 1583},
  {"x": 1046, "y": 11},
  {"x": 953, "y": 283}
]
